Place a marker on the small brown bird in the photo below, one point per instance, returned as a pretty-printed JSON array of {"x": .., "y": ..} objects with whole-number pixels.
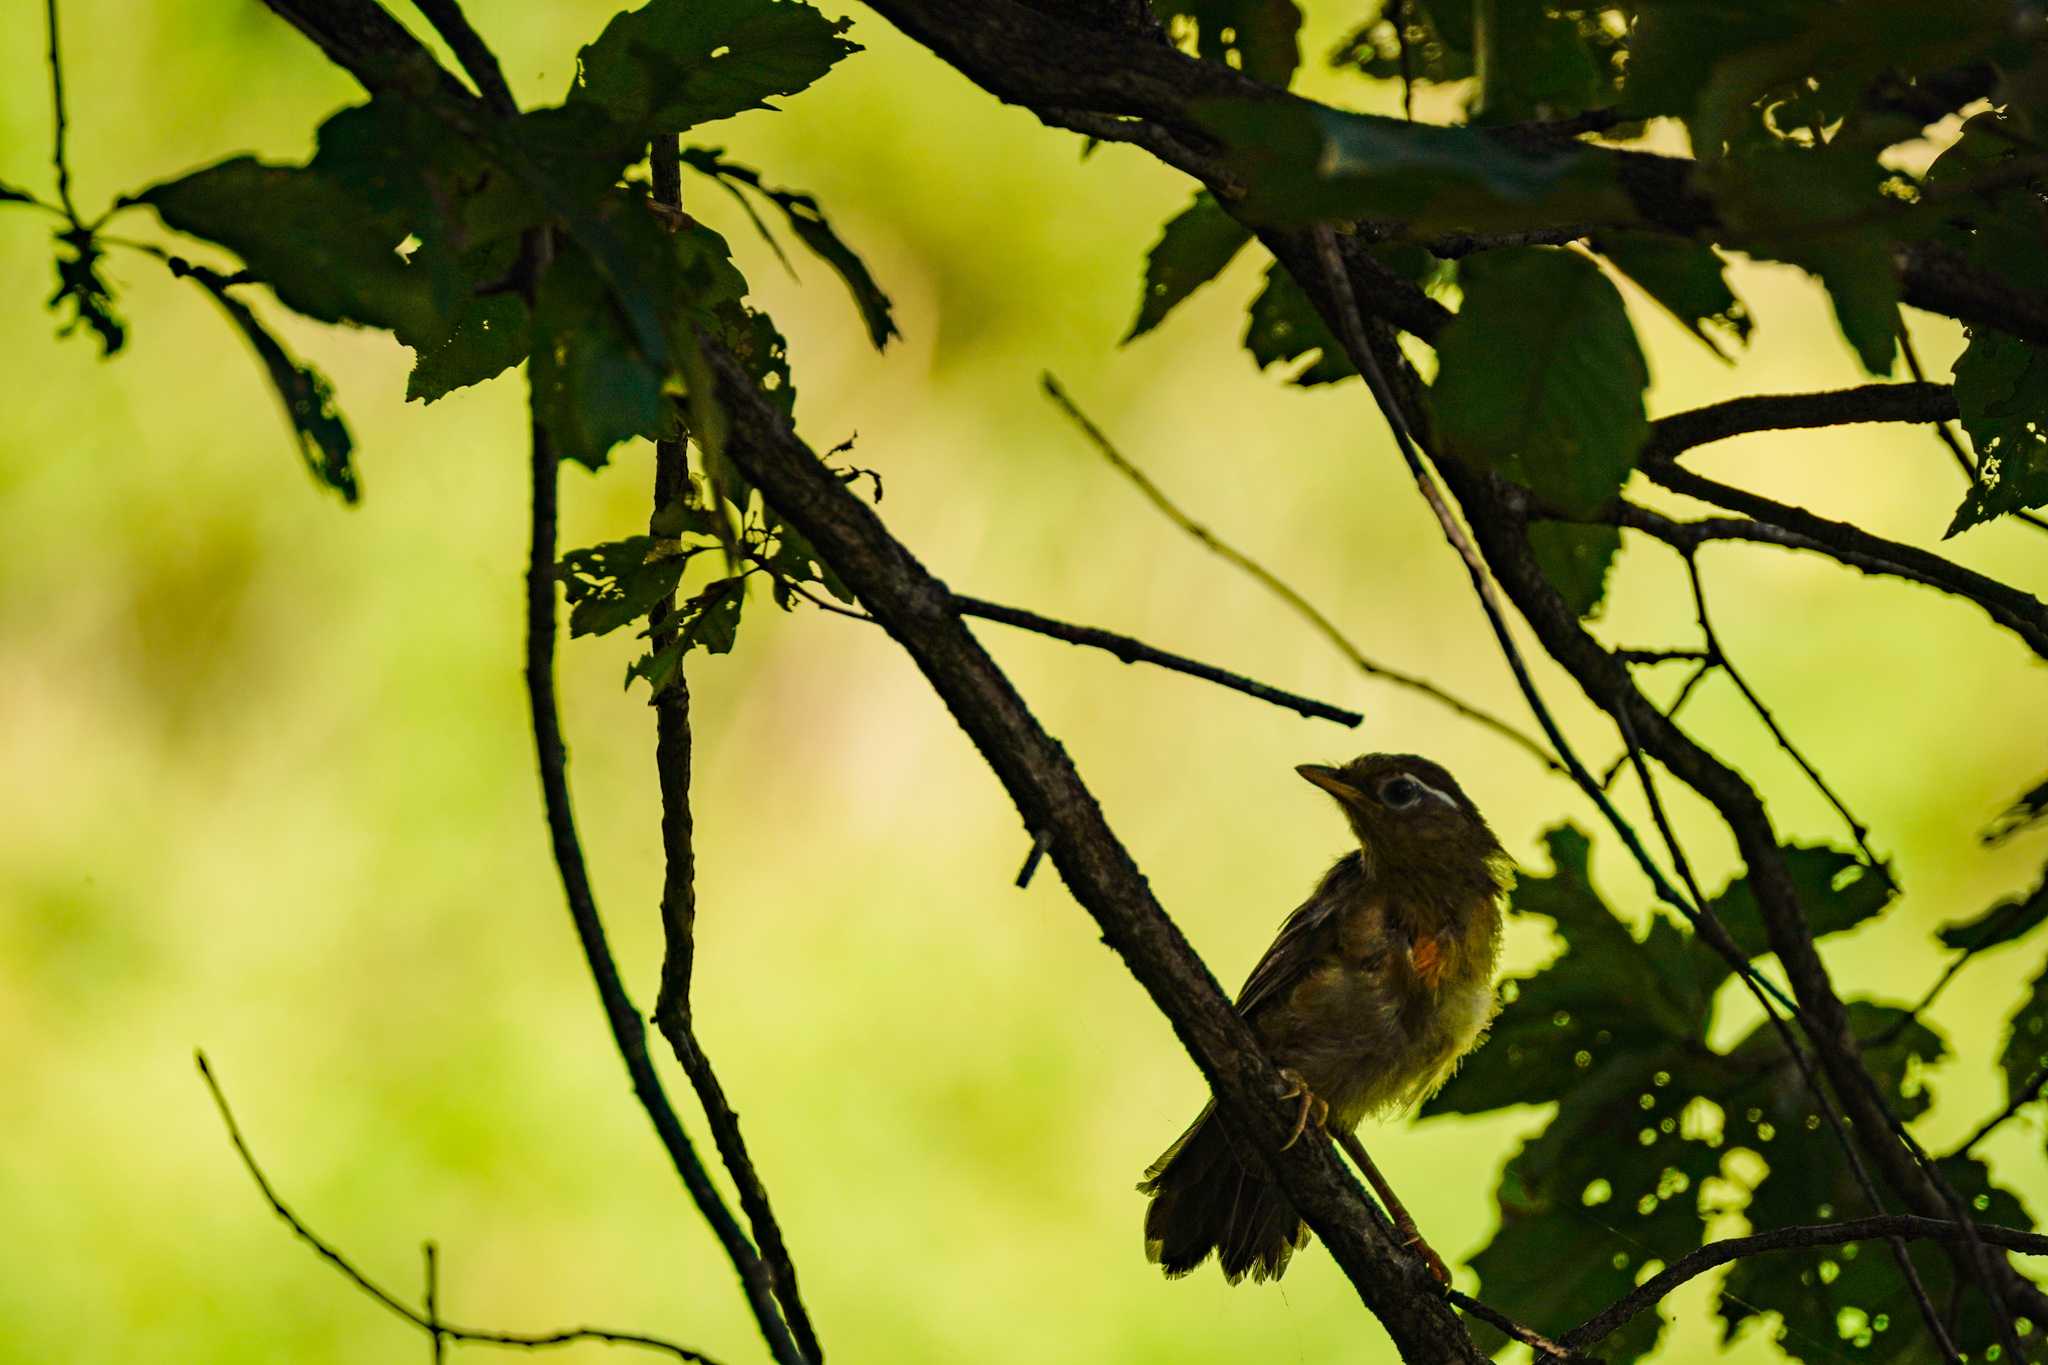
[{"x": 1373, "y": 990}]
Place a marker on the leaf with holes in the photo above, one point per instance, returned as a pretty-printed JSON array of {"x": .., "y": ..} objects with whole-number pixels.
[
  {"x": 619, "y": 582},
  {"x": 2002, "y": 396},
  {"x": 1258, "y": 37},
  {"x": 1540, "y": 376},
  {"x": 709, "y": 621},
  {"x": 673, "y": 64},
  {"x": 1283, "y": 326},
  {"x": 1197, "y": 243},
  {"x": 2026, "y": 1038}
]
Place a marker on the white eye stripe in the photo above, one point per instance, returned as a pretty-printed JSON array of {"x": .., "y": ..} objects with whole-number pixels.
[{"x": 1447, "y": 799}]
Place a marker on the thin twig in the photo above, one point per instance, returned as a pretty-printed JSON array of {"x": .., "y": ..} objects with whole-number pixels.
[
  {"x": 1685, "y": 692},
  {"x": 1857, "y": 829},
  {"x": 1136, "y": 652},
  {"x": 2025, "y": 1096},
  {"x": 58, "y": 154},
  {"x": 1407, "y": 73},
  {"x": 428, "y": 1321},
  {"x": 1300, "y": 605},
  {"x": 434, "y": 1331},
  {"x": 628, "y": 1032},
  {"x": 672, "y": 1011},
  {"x": 1507, "y": 1326},
  {"x": 1788, "y": 1239}
]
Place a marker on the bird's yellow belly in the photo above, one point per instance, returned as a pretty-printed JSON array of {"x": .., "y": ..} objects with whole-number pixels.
[{"x": 1387, "y": 1050}]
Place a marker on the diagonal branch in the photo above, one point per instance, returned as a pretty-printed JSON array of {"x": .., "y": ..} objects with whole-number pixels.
[{"x": 917, "y": 610}]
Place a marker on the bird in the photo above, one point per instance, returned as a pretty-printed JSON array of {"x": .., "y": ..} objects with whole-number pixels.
[{"x": 1373, "y": 990}]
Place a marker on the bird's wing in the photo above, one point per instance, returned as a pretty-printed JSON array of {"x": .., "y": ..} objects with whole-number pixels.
[{"x": 1303, "y": 938}]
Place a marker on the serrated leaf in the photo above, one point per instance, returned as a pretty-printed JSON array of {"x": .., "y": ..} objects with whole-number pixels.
[
  {"x": 2002, "y": 923},
  {"x": 1541, "y": 378},
  {"x": 617, "y": 583},
  {"x": 1303, "y": 162},
  {"x": 808, "y": 221},
  {"x": 2026, "y": 1038},
  {"x": 709, "y": 621},
  {"x": 307, "y": 397},
  {"x": 1192, "y": 250},
  {"x": 592, "y": 387},
  {"x": 673, "y": 64},
  {"x": 1686, "y": 278},
  {"x": 1836, "y": 893},
  {"x": 1283, "y": 325},
  {"x": 2002, "y": 397},
  {"x": 1576, "y": 559},
  {"x": 491, "y": 335},
  {"x": 1257, "y": 37}
]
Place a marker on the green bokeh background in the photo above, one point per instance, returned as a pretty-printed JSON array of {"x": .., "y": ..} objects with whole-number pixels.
[{"x": 269, "y": 788}]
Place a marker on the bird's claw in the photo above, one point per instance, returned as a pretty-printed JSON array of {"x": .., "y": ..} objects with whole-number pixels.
[{"x": 1297, "y": 1088}]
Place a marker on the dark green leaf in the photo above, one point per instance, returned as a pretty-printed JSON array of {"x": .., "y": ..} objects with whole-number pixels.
[
  {"x": 10, "y": 195},
  {"x": 2002, "y": 923},
  {"x": 808, "y": 221},
  {"x": 1836, "y": 892},
  {"x": 1303, "y": 162},
  {"x": 620, "y": 581},
  {"x": 1197, "y": 243},
  {"x": 1284, "y": 325},
  {"x": 1686, "y": 278},
  {"x": 2030, "y": 809},
  {"x": 1540, "y": 376},
  {"x": 592, "y": 387},
  {"x": 308, "y": 398},
  {"x": 1552, "y": 72},
  {"x": 1999, "y": 229},
  {"x": 2002, "y": 395},
  {"x": 673, "y": 64},
  {"x": 1438, "y": 39},
  {"x": 1576, "y": 559},
  {"x": 709, "y": 621},
  {"x": 491, "y": 335},
  {"x": 2026, "y": 1041},
  {"x": 80, "y": 287},
  {"x": 1257, "y": 37}
]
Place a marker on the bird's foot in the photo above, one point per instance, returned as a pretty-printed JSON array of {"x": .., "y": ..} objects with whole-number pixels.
[
  {"x": 1311, "y": 1104},
  {"x": 1414, "y": 1243}
]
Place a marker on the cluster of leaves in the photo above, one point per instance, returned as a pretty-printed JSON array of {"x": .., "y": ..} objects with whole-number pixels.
[
  {"x": 1795, "y": 112},
  {"x": 418, "y": 213},
  {"x": 1656, "y": 1131}
]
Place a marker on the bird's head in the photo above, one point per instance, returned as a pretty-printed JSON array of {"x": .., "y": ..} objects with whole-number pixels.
[{"x": 1408, "y": 813}]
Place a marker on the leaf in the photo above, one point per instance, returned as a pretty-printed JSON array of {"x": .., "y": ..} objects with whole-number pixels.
[
  {"x": 1257, "y": 37},
  {"x": 1438, "y": 40},
  {"x": 1283, "y": 325},
  {"x": 808, "y": 221},
  {"x": 1576, "y": 559},
  {"x": 1192, "y": 250},
  {"x": 2002, "y": 397},
  {"x": 592, "y": 387},
  {"x": 709, "y": 621},
  {"x": 673, "y": 64},
  {"x": 1540, "y": 376},
  {"x": 2026, "y": 1039},
  {"x": 80, "y": 286},
  {"x": 11, "y": 195},
  {"x": 2029, "y": 809},
  {"x": 2002, "y": 923},
  {"x": 1302, "y": 162},
  {"x": 491, "y": 335},
  {"x": 1552, "y": 73},
  {"x": 616, "y": 583},
  {"x": 1836, "y": 893},
  {"x": 1998, "y": 229},
  {"x": 308, "y": 399},
  {"x": 1686, "y": 278}
]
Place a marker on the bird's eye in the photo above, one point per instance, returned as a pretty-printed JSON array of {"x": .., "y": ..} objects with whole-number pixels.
[{"x": 1399, "y": 793}]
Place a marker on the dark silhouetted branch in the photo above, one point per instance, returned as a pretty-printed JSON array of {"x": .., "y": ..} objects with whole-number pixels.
[
  {"x": 429, "y": 1321},
  {"x": 1682, "y": 431},
  {"x": 1136, "y": 652},
  {"x": 1714, "y": 1254},
  {"x": 2025, "y": 1096}
]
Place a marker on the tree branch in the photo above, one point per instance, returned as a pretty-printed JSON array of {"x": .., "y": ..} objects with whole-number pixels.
[
  {"x": 1682, "y": 431},
  {"x": 917, "y": 610},
  {"x": 430, "y": 1321},
  {"x": 1722, "y": 1252}
]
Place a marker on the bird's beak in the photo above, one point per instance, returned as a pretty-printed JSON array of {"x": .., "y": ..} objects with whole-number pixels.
[{"x": 1332, "y": 781}]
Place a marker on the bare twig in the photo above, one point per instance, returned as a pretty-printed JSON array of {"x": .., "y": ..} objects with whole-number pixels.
[
  {"x": 438, "y": 1337},
  {"x": 2023, "y": 1097},
  {"x": 1685, "y": 691},
  {"x": 428, "y": 1321},
  {"x": 672, "y": 1011},
  {"x": 1300, "y": 605},
  {"x": 1543, "y": 1346},
  {"x": 58, "y": 155},
  {"x": 1789, "y": 1239},
  {"x": 1135, "y": 652}
]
